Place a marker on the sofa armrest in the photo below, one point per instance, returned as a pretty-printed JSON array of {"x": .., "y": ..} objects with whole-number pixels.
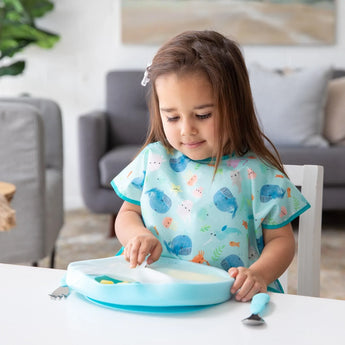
[
  {"x": 22, "y": 163},
  {"x": 92, "y": 136},
  {"x": 52, "y": 125}
]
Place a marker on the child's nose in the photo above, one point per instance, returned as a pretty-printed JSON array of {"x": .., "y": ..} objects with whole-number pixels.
[{"x": 188, "y": 127}]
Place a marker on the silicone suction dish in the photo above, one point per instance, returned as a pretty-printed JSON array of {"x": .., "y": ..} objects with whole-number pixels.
[{"x": 166, "y": 283}]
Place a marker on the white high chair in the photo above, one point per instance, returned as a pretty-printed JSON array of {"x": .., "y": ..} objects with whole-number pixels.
[{"x": 310, "y": 179}]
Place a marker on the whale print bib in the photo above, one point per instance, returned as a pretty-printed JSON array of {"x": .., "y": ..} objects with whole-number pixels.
[{"x": 210, "y": 219}]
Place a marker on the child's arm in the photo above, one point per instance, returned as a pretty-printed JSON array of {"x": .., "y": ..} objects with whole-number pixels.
[
  {"x": 275, "y": 258},
  {"x": 137, "y": 240}
]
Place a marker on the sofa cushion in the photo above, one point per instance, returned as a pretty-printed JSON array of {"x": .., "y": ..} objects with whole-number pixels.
[
  {"x": 334, "y": 129},
  {"x": 290, "y": 106},
  {"x": 331, "y": 158},
  {"x": 114, "y": 161}
]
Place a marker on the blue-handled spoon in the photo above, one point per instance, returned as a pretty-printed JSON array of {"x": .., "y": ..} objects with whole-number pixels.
[{"x": 257, "y": 306}]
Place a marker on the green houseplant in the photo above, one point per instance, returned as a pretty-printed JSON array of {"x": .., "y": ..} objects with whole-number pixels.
[{"x": 18, "y": 30}]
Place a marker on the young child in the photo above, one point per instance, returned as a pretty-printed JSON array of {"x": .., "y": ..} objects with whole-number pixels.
[{"x": 204, "y": 187}]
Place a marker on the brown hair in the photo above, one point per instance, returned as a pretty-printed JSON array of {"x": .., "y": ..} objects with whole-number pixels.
[{"x": 221, "y": 60}]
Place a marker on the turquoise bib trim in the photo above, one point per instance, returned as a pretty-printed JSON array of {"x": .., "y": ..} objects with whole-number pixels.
[
  {"x": 297, "y": 214},
  {"x": 123, "y": 197}
]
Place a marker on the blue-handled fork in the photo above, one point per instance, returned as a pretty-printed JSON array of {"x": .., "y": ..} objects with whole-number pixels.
[{"x": 257, "y": 306}]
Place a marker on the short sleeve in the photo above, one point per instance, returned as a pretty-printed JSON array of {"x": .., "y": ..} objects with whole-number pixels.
[
  {"x": 128, "y": 184},
  {"x": 277, "y": 202}
]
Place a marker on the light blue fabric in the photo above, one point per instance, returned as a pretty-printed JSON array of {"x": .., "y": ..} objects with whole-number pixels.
[{"x": 218, "y": 221}]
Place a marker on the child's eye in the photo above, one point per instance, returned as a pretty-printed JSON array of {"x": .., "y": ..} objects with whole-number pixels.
[
  {"x": 172, "y": 119},
  {"x": 204, "y": 116}
]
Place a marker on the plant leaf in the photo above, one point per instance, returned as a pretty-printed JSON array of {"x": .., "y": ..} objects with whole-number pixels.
[
  {"x": 37, "y": 8},
  {"x": 10, "y": 47},
  {"x": 15, "y": 4},
  {"x": 217, "y": 252},
  {"x": 8, "y": 44},
  {"x": 18, "y": 30},
  {"x": 13, "y": 69},
  {"x": 13, "y": 16},
  {"x": 40, "y": 37}
]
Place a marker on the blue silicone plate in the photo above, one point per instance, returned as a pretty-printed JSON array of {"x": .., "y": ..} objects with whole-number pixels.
[{"x": 166, "y": 283}]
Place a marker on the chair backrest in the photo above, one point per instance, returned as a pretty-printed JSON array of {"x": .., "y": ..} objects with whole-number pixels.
[
  {"x": 310, "y": 179},
  {"x": 126, "y": 107}
]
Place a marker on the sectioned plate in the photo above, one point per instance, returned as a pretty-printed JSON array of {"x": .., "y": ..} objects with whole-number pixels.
[{"x": 166, "y": 283}]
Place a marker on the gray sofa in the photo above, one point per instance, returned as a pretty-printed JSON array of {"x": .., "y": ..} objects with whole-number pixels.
[
  {"x": 31, "y": 157},
  {"x": 110, "y": 138}
]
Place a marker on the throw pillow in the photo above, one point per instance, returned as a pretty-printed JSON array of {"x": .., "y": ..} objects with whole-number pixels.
[
  {"x": 290, "y": 107},
  {"x": 335, "y": 112}
]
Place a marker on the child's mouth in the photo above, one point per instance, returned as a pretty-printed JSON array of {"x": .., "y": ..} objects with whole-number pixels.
[{"x": 194, "y": 145}]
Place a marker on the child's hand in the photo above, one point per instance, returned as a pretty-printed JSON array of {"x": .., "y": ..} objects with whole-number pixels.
[
  {"x": 247, "y": 283},
  {"x": 139, "y": 247}
]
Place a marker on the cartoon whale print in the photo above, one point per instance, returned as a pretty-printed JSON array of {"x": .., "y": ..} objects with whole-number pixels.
[
  {"x": 227, "y": 230},
  {"x": 231, "y": 261},
  {"x": 138, "y": 182},
  {"x": 179, "y": 164},
  {"x": 180, "y": 245},
  {"x": 225, "y": 201},
  {"x": 159, "y": 201},
  {"x": 221, "y": 235},
  {"x": 271, "y": 191}
]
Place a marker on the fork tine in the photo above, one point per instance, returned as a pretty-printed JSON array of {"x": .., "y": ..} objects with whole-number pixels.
[
  {"x": 65, "y": 291},
  {"x": 60, "y": 292},
  {"x": 53, "y": 296}
]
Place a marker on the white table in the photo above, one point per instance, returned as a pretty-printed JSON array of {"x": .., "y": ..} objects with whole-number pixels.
[{"x": 28, "y": 316}]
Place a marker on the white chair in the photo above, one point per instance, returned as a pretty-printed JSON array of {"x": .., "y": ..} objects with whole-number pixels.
[{"x": 310, "y": 179}]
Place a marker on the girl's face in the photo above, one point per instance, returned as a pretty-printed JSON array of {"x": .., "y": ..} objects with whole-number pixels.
[{"x": 188, "y": 112}]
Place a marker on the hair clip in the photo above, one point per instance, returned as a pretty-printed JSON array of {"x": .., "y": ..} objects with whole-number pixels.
[{"x": 146, "y": 78}]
